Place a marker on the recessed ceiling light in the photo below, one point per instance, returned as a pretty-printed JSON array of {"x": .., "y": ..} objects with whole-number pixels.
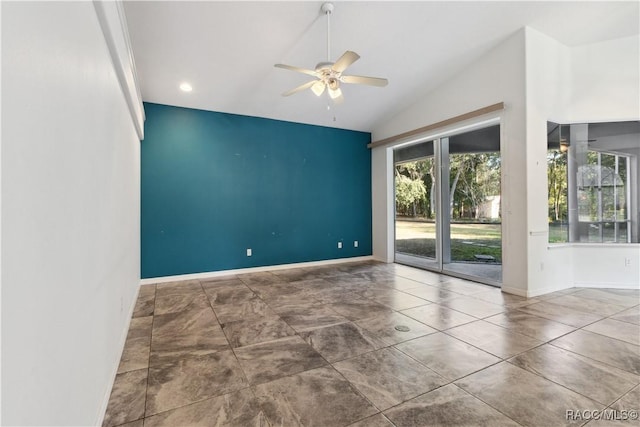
[{"x": 186, "y": 87}]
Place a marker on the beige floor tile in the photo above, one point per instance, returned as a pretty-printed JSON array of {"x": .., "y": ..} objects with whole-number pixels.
[
  {"x": 356, "y": 308},
  {"x": 527, "y": 324},
  {"x": 616, "y": 329},
  {"x": 394, "y": 327},
  {"x": 342, "y": 341},
  {"x": 378, "y": 420},
  {"x": 127, "y": 399},
  {"x": 388, "y": 377},
  {"x": 271, "y": 360},
  {"x": 493, "y": 339},
  {"x": 179, "y": 296},
  {"x": 561, "y": 314},
  {"x": 185, "y": 333},
  {"x": 304, "y": 318},
  {"x": 595, "y": 380},
  {"x": 630, "y": 315},
  {"x": 397, "y": 300},
  {"x": 145, "y": 304},
  {"x": 447, "y": 406},
  {"x": 614, "y": 352},
  {"x": 319, "y": 397},
  {"x": 624, "y": 297},
  {"x": 473, "y": 306},
  {"x": 137, "y": 346},
  {"x": 239, "y": 408},
  {"x": 192, "y": 379},
  {"x": 447, "y": 356},
  {"x": 256, "y": 329},
  {"x": 432, "y": 293},
  {"x": 587, "y": 305},
  {"x": 438, "y": 316},
  {"x": 525, "y": 397}
]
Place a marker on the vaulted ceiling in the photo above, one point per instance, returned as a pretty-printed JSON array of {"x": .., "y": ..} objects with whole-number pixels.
[{"x": 226, "y": 50}]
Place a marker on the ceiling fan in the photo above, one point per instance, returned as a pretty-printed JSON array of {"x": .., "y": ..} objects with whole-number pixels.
[{"x": 329, "y": 74}]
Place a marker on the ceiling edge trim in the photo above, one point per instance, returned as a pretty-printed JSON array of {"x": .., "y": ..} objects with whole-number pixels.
[
  {"x": 447, "y": 122},
  {"x": 113, "y": 23}
]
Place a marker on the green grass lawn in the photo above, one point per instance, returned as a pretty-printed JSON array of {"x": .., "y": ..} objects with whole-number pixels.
[
  {"x": 558, "y": 233},
  {"x": 467, "y": 240}
]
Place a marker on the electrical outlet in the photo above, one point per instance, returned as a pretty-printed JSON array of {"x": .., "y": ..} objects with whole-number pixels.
[
  {"x": 339, "y": 245},
  {"x": 249, "y": 252},
  {"x": 355, "y": 243}
]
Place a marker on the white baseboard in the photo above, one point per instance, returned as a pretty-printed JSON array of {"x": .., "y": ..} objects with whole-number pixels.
[
  {"x": 548, "y": 290},
  {"x": 114, "y": 371},
  {"x": 531, "y": 294},
  {"x": 612, "y": 285},
  {"x": 210, "y": 274},
  {"x": 514, "y": 291}
]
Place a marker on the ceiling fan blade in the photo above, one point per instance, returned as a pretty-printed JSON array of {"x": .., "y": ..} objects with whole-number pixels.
[
  {"x": 338, "y": 99},
  {"x": 300, "y": 88},
  {"x": 344, "y": 61},
  {"x": 363, "y": 80},
  {"x": 298, "y": 69}
]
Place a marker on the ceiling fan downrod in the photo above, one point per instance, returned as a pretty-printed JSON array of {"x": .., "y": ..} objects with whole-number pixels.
[{"x": 327, "y": 8}]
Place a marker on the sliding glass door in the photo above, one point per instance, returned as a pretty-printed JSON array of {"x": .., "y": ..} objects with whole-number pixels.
[
  {"x": 448, "y": 213},
  {"x": 415, "y": 174}
]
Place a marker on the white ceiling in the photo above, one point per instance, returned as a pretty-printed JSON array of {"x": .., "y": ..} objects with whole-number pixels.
[{"x": 226, "y": 50}]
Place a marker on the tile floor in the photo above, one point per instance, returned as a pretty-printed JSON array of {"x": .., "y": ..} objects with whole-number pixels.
[{"x": 371, "y": 344}]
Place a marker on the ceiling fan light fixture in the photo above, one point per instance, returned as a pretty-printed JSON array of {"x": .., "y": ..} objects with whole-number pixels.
[
  {"x": 335, "y": 93},
  {"x": 318, "y": 87}
]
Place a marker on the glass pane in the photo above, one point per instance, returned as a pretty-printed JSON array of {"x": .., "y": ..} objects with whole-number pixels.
[
  {"x": 415, "y": 199},
  {"x": 557, "y": 182},
  {"x": 608, "y": 203},
  {"x": 474, "y": 204},
  {"x": 592, "y": 183},
  {"x": 622, "y": 236},
  {"x": 621, "y": 190}
]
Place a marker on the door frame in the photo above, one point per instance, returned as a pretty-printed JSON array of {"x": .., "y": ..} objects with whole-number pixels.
[{"x": 436, "y": 136}]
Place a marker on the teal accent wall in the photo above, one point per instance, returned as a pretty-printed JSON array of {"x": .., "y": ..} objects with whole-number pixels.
[{"x": 214, "y": 184}]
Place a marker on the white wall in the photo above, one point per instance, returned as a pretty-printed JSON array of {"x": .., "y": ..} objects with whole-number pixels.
[
  {"x": 548, "y": 71},
  {"x": 539, "y": 79},
  {"x": 382, "y": 194},
  {"x": 70, "y": 215},
  {"x": 611, "y": 266},
  {"x": 498, "y": 76},
  {"x": 605, "y": 81},
  {"x": 592, "y": 83}
]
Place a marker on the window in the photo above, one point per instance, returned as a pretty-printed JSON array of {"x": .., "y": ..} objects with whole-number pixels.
[{"x": 592, "y": 172}]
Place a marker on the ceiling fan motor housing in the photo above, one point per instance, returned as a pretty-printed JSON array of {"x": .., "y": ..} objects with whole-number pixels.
[
  {"x": 324, "y": 66},
  {"x": 333, "y": 83},
  {"x": 327, "y": 7}
]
